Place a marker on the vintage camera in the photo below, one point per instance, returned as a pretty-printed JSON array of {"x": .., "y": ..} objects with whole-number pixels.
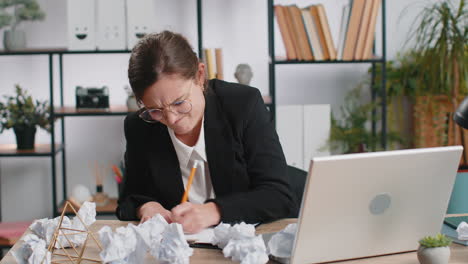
[{"x": 91, "y": 97}]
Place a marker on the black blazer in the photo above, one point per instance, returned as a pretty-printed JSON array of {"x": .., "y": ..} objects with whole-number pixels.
[{"x": 247, "y": 165}]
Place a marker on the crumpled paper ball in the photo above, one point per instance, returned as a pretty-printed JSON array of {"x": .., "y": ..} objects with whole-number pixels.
[
  {"x": 174, "y": 247},
  {"x": 281, "y": 244},
  {"x": 240, "y": 243},
  {"x": 45, "y": 228},
  {"x": 462, "y": 231},
  {"x": 32, "y": 251}
]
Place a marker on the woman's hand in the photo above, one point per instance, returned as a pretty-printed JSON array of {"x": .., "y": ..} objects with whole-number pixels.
[
  {"x": 150, "y": 209},
  {"x": 195, "y": 217}
]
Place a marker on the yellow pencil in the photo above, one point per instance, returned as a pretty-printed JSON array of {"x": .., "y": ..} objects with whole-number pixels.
[{"x": 189, "y": 183}]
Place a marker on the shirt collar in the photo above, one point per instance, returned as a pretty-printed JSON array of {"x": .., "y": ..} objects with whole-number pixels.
[{"x": 184, "y": 152}]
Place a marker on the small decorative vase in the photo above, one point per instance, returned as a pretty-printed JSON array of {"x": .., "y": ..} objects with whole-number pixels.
[
  {"x": 25, "y": 137},
  {"x": 436, "y": 255},
  {"x": 132, "y": 103},
  {"x": 14, "y": 39},
  {"x": 100, "y": 198}
]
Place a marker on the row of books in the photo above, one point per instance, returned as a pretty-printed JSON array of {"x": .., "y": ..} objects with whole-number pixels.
[
  {"x": 306, "y": 32},
  {"x": 214, "y": 63}
]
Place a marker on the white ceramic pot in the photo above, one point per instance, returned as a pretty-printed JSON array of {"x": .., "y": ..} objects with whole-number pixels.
[
  {"x": 437, "y": 255},
  {"x": 14, "y": 39},
  {"x": 132, "y": 103}
]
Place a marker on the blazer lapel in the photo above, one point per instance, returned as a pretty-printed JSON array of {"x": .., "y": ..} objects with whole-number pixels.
[
  {"x": 165, "y": 166},
  {"x": 218, "y": 144}
]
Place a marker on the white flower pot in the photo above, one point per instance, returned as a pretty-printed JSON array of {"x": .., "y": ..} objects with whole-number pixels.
[
  {"x": 14, "y": 39},
  {"x": 437, "y": 255},
  {"x": 132, "y": 103}
]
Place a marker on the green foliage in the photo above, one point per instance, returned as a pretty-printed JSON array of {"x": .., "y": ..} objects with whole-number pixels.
[
  {"x": 436, "y": 65},
  {"x": 21, "y": 111},
  {"x": 438, "y": 62},
  {"x": 435, "y": 241},
  {"x": 13, "y": 12},
  {"x": 403, "y": 75},
  {"x": 441, "y": 37},
  {"x": 5, "y": 19},
  {"x": 351, "y": 134}
]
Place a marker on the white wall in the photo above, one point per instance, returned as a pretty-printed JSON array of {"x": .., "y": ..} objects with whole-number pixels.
[{"x": 239, "y": 27}]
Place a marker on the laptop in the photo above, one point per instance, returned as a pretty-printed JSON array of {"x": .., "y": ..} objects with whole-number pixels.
[{"x": 372, "y": 204}]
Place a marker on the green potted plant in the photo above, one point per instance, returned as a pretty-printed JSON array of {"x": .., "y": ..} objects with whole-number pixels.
[
  {"x": 351, "y": 133},
  {"x": 434, "y": 249},
  {"x": 430, "y": 79},
  {"x": 402, "y": 76},
  {"x": 22, "y": 114},
  {"x": 12, "y": 13},
  {"x": 441, "y": 46}
]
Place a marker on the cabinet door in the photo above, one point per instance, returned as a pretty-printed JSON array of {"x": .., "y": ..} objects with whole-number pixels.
[
  {"x": 316, "y": 132},
  {"x": 290, "y": 127}
]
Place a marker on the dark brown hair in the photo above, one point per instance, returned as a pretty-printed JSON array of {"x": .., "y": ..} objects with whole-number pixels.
[{"x": 160, "y": 54}]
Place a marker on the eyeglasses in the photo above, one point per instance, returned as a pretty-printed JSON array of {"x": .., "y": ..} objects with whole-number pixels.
[
  {"x": 155, "y": 115},
  {"x": 180, "y": 107}
]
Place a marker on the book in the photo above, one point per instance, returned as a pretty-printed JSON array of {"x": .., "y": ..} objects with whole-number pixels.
[
  {"x": 219, "y": 64},
  {"x": 285, "y": 33},
  {"x": 454, "y": 221},
  {"x": 363, "y": 30},
  {"x": 353, "y": 28},
  {"x": 10, "y": 232},
  {"x": 299, "y": 28},
  {"x": 343, "y": 30},
  {"x": 313, "y": 11},
  {"x": 312, "y": 34},
  {"x": 326, "y": 31},
  {"x": 367, "y": 50},
  {"x": 210, "y": 63},
  {"x": 292, "y": 32}
]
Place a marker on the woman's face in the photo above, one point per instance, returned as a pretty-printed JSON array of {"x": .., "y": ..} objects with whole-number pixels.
[{"x": 171, "y": 89}]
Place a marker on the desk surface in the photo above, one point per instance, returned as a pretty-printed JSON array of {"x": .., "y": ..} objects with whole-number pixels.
[{"x": 208, "y": 256}]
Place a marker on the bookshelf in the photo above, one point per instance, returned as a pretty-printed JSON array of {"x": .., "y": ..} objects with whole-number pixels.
[
  {"x": 40, "y": 150},
  {"x": 273, "y": 62},
  {"x": 62, "y": 112}
]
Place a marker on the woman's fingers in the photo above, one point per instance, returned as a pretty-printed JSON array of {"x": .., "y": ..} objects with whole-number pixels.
[
  {"x": 180, "y": 210},
  {"x": 145, "y": 218},
  {"x": 196, "y": 217}
]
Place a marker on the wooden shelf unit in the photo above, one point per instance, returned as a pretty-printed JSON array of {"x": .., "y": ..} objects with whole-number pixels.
[{"x": 40, "y": 150}]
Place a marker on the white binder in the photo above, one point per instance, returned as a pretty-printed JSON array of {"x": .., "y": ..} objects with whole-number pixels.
[
  {"x": 141, "y": 20},
  {"x": 81, "y": 24},
  {"x": 110, "y": 18}
]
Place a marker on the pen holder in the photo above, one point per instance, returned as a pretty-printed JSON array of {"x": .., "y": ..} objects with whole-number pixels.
[
  {"x": 120, "y": 187},
  {"x": 100, "y": 198}
]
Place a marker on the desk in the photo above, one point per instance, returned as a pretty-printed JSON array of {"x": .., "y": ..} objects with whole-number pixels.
[{"x": 208, "y": 256}]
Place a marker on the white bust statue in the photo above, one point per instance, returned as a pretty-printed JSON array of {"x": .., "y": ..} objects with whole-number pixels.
[{"x": 243, "y": 74}]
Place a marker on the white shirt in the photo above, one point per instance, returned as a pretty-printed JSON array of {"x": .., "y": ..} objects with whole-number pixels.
[{"x": 201, "y": 189}]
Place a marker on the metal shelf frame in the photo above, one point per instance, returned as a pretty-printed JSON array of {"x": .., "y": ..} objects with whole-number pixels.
[{"x": 374, "y": 94}]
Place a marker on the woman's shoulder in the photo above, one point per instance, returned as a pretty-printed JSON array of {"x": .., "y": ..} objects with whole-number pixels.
[
  {"x": 230, "y": 89},
  {"x": 133, "y": 124},
  {"x": 236, "y": 101},
  {"x": 234, "y": 95}
]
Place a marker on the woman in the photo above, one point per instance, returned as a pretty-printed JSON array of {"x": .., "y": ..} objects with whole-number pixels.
[{"x": 185, "y": 118}]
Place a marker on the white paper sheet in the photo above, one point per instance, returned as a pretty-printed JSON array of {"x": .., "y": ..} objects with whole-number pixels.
[{"x": 205, "y": 236}]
